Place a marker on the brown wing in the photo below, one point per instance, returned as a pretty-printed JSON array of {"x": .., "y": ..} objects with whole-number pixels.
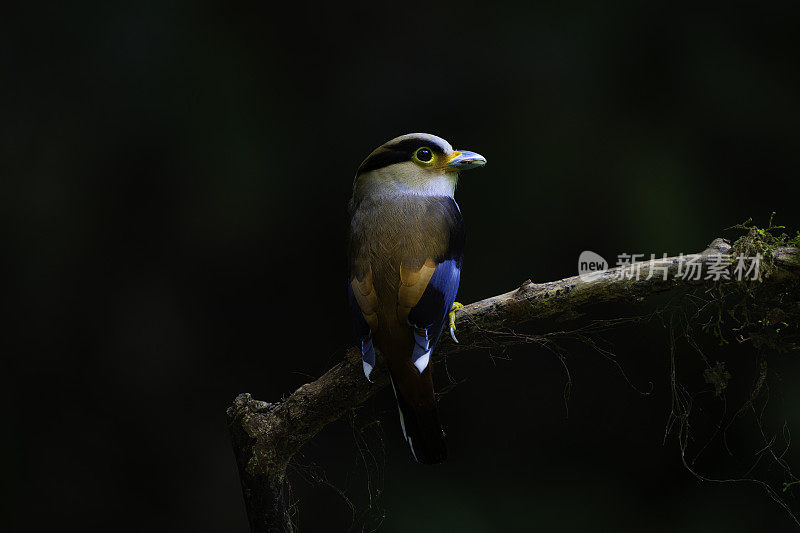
[
  {"x": 367, "y": 298},
  {"x": 412, "y": 285}
]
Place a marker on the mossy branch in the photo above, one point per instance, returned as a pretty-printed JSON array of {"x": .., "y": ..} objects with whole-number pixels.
[{"x": 267, "y": 435}]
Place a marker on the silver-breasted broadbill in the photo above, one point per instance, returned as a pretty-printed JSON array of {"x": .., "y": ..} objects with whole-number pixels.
[{"x": 405, "y": 249}]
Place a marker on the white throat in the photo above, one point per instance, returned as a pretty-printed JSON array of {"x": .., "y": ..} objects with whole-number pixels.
[
  {"x": 408, "y": 178},
  {"x": 440, "y": 185}
]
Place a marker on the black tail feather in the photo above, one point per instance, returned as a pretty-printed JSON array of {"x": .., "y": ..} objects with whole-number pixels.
[{"x": 422, "y": 431}]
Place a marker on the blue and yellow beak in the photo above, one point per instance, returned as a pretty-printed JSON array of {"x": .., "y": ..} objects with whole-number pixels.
[{"x": 464, "y": 160}]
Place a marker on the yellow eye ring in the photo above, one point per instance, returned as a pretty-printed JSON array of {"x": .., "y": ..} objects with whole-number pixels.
[{"x": 424, "y": 156}]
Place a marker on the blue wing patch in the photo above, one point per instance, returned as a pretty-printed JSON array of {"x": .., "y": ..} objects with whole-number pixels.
[
  {"x": 429, "y": 315},
  {"x": 363, "y": 332}
]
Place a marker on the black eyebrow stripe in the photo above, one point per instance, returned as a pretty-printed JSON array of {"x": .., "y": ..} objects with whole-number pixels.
[
  {"x": 398, "y": 152},
  {"x": 410, "y": 145},
  {"x": 384, "y": 158}
]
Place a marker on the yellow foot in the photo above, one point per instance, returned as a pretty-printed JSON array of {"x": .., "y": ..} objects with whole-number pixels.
[{"x": 451, "y": 319}]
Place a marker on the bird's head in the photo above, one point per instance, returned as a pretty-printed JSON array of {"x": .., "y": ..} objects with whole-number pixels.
[{"x": 415, "y": 164}]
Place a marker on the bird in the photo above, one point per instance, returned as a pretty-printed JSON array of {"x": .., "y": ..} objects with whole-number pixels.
[{"x": 405, "y": 250}]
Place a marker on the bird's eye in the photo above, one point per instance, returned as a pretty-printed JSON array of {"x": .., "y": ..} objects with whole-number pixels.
[{"x": 424, "y": 155}]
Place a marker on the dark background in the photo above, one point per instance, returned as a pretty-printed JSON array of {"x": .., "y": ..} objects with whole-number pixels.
[{"x": 174, "y": 183}]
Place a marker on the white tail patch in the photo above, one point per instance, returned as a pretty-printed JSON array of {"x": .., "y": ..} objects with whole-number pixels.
[
  {"x": 402, "y": 421},
  {"x": 413, "y": 453},
  {"x": 422, "y": 362},
  {"x": 367, "y": 369}
]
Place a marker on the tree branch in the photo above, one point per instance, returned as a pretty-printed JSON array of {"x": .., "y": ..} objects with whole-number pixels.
[{"x": 266, "y": 435}]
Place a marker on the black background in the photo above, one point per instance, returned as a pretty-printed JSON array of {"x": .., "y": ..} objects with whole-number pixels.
[{"x": 174, "y": 183}]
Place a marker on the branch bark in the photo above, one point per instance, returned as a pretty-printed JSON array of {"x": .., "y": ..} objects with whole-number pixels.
[{"x": 267, "y": 435}]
